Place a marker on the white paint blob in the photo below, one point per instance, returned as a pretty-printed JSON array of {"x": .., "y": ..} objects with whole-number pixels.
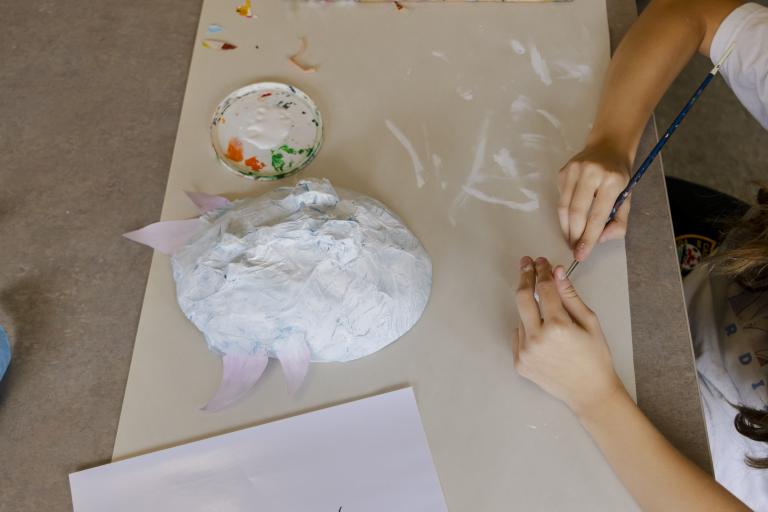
[
  {"x": 521, "y": 104},
  {"x": 440, "y": 55},
  {"x": 418, "y": 168},
  {"x": 508, "y": 165},
  {"x": 572, "y": 71},
  {"x": 308, "y": 265},
  {"x": 265, "y": 127},
  {"x": 517, "y": 46},
  {"x": 539, "y": 65},
  {"x": 443, "y": 185},
  {"x": 465, "y": 93}
]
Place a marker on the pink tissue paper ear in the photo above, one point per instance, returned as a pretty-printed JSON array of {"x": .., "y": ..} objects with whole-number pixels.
[
  {"x": 167, "y": 236},
  {"x": 239, "y": 375},
  {"x": 294, "y": 358},
  {"x": 206, "y": 202}
]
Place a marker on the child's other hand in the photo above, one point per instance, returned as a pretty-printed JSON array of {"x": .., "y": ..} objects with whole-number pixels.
[
  {"x": 589, "y": 185},
  {"x": 559, "y": 344}
]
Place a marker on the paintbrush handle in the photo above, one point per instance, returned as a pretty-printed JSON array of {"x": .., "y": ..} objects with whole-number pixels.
[{"x": 659, "y": 145}]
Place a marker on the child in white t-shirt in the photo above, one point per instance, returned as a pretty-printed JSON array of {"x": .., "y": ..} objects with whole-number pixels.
[{"x": 560, "y": 345}]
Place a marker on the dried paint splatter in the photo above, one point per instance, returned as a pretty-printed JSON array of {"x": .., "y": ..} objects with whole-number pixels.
[
  {"x": 478, "y": 176},
  {"x": 571, "y": 71},
  {"x": 504, "y": 159},
  {"x": 554, "y": 121},
  {"x": 235, "y": 150},
  {"x": 245, "y": 10},
  {"x": 418, "y": 168},
  {"x": 517, "y": 46},
  {"x": 217, "y": 44},
  {"x": 540, "y": 65},
  {"x": 294, "y": 58},
  {"x": 254, "y": 164},
  {"x": 440, "y": 55},
  {"x": 214, "y": 28},
  {"x": 465, "y": 93},
  {"x": 521, "y": 104}
]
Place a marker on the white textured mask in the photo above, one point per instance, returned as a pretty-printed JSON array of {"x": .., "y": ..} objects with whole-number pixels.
[{"x": 301, "y": 274}]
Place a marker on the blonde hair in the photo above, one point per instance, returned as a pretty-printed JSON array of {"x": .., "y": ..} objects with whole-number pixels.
[{"x": 747, "y": 259}]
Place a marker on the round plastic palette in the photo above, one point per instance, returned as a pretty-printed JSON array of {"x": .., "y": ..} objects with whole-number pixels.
[{"x": 266, "y": 131}]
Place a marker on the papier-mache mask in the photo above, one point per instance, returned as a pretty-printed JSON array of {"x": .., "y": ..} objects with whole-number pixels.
[{"x": 300, "y": 274}]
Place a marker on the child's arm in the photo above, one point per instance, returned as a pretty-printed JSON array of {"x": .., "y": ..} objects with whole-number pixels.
[
  {"x": 650, "y": 56},
  {"x": 560, "y": 346}
]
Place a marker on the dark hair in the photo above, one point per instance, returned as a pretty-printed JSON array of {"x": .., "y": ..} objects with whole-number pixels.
[{"x": 747, "y": 263}]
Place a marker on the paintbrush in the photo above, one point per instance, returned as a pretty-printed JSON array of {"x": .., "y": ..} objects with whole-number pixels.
[{"x": 659, "y": 145}]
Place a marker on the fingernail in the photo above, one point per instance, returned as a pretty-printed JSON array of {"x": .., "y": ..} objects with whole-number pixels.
[
  {"x": 541, "y": 261},
  {"x": 560, "y": 273},
  {"x": 525, "y": 263}
]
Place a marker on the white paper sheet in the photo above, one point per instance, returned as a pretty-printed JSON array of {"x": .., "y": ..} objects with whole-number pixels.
[{"x": 369, "y": 455}]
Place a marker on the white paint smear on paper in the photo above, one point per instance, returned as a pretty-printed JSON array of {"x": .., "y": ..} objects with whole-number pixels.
[
  {"x": 504, "y": 160},
  {"x": 572, "y": 71},
  {"x": 465, "y": 93},
  {"x": 521, "y": 104},
  {"x": 418, "y": 169},
  {"x": 437, "y": 162},
  {"x": 477, "y": 176},
  {"x": 549, "y": 117},
  {"x": 534, "y": 140},
  {"x": 528, "y": 206},
  {"x": 517, "y": 46},
  {"x": 441, "y": 56},
  {"x": 539, "y": 65}
]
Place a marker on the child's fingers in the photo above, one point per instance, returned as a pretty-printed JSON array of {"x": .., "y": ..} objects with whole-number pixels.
[
  {"x": 526, "y": 303},
  {"x": 579, "y": 311},
  {"x": 551, "y": 305},
  {"x": 617, "y": 229}
]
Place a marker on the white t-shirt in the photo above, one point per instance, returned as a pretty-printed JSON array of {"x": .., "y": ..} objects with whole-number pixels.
[
  {"x": 729, "y": 324},
  {"x": 746, "y": 70},
  {"x": 729, "y": 327}
]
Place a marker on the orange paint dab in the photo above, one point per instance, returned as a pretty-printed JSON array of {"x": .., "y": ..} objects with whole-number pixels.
[
  {"x": 235, "y": 150},
  {"x": 254, "y": 163}
]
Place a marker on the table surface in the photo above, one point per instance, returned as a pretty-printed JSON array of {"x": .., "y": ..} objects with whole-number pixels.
[{"x": 92, "y": 99}]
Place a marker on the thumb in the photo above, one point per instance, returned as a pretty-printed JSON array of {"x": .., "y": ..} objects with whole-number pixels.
[
  {"x": 571, "y": 300},
  {"x": 617, "y": 228}
]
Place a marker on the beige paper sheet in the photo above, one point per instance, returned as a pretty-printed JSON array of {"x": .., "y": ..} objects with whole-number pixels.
[{"x": 447, "y": 77}]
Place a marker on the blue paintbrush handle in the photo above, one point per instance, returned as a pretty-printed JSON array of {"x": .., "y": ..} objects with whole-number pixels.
[{"x": 659, "y": 145}]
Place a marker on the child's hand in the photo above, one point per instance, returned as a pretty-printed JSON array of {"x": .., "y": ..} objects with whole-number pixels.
[
  {"x": 559, "y": 344},
  {"x": 589, "y": 185}
]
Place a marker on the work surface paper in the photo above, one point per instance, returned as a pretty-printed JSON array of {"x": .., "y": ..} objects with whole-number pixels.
[
  {"x": 430, "y": 96},
  {"x": 370, "y": 455}
]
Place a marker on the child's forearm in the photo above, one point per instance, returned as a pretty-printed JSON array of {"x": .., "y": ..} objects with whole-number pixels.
[
  {"x": 654, "y": 472},
  {"x": 651, "y": 55}
]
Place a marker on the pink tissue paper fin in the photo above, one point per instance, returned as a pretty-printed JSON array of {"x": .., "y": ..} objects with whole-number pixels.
[
  {"x": 206, "y": 202},
  {"x": 239, "y": 375},
  {"x": 168, "y": 236},
  {"x": 294, "y": 358}
]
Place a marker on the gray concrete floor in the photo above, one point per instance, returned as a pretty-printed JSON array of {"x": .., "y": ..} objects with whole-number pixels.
[{"x": 720, "y": 144}]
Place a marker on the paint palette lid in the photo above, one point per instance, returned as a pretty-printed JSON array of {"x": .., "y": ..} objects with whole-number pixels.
[{"x": 266, "y": 131}]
